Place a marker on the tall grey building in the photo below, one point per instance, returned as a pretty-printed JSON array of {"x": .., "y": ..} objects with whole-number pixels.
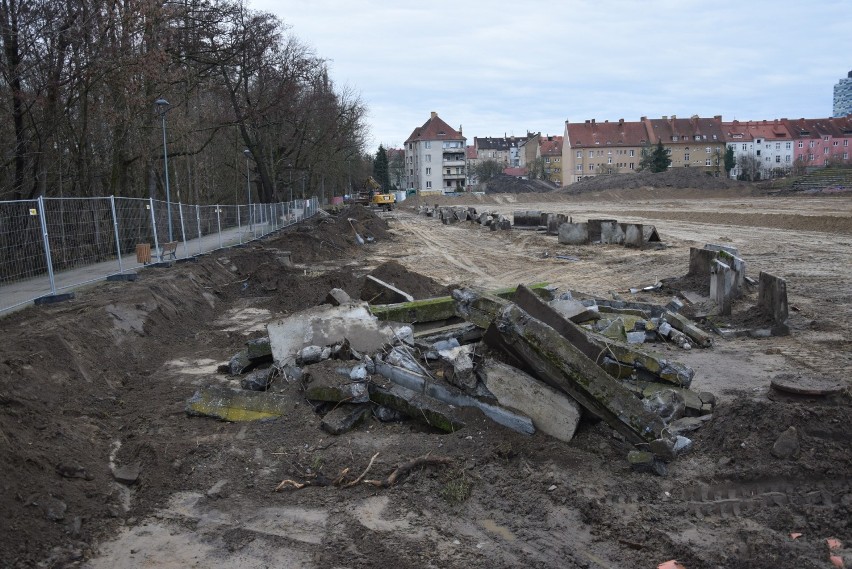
[{"x": 843, "y": 97}]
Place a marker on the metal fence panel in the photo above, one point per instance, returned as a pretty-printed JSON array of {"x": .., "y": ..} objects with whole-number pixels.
[{"x": 57, "y": 243}]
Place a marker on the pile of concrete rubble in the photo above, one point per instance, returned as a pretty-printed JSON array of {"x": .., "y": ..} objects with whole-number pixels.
[{"x": 528, "y": 358}]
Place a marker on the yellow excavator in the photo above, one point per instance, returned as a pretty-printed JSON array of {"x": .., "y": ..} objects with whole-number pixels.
[{"x": 372, "y": 196}]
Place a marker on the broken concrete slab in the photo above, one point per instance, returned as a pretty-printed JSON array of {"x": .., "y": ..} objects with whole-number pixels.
[
  {"x": 573, "y": 233},
  {"x": 464, "y": 333},
  {"x": 421, "y": 384},
  {"x": 417, "y": 406},
  {"x": 258, "y": 380},
  {"x": 575, "y": 310},
  {"x": 694, "y": 406},
  {"x": 326, "y": 326},
  {"x": 562, "y": 365},
  {"x": 667, "y": 403},
  {"x": 552, "y": 412},
  {"x": 644, "y": 461},
  {"x": 235, "y": 405},
  {"x": 126, "y": 473},
  {"x": 259, "y": 350},
  {"x": 344, "y": 418},
  {"x": 239, "y": 362},
  {"x": 726, "y": 248},
  {"x": 595, "y": 348},
  {"x": 332, "y": 386},
  {"x": 681, "y": 323},
  {"x": 440, "y": 308}
]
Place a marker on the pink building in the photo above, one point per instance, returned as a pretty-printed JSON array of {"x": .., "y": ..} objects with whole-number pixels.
[{"x": 820, "y": 142}]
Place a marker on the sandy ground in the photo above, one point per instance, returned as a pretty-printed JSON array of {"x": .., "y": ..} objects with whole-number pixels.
[{"x": 108, "y": 375}]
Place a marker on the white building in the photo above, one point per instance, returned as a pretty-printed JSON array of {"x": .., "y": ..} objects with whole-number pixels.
[
  {"x": 435, "y": 157},
  {"x": 760, "y": 147}
]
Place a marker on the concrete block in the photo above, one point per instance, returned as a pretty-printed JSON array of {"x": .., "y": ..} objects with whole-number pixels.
[
  {"x": 54, "y": 298},
  {"x": 649, "y": 233},
  {"x": 122, "y": 277},
  {"x": 721, "y": 286},
  {"x": 458, "y": 367},
  {"x": 772, "y": 300},
  {"x": 633, "y": 235},
  {"x": 259, "y": 350},
  {"x": 611, "y": 233},
  {"x": 552, "y": 412},
  {"x": 335, "y": 388},
  {"x": 344, "y": 418},
  {"x": 595, "y": 228},
  {"x": 326, "y": 325},
  {"x": 700, "y": 261},
  {"x": 574, "y": 233}
]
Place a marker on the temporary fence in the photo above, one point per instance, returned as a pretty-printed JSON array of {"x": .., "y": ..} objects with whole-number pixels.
[{"x": 54, "y": 244}]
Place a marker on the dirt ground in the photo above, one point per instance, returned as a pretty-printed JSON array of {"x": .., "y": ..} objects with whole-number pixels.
[{"x": 105, "y": 378}]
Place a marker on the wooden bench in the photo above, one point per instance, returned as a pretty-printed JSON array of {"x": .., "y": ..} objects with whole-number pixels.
[{"x": 168, "y": 250}]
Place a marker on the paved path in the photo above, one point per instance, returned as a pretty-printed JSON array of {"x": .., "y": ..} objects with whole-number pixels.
[{"x": 19, "y": 294}]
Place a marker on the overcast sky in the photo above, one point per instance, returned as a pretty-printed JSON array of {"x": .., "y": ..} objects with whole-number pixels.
[{"x": 498, "y": 67}]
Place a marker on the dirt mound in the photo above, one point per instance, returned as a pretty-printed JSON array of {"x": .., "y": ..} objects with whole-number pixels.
[
  {"x": 671, "y": 178},
  {"x": 503, "y": 184},
  {"x": 415, "y": 284}
]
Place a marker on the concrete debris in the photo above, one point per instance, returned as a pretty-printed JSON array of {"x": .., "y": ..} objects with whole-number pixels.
[
  {"x": 418, "y": 407},
  {"x": 667, "y": 403},
  {"x": 343, "y": 418},
  {"x": 576, "y": 311},
  {"x": 552, "y": 412},
  {"x": 772, "y": 300},
  {"x": 644, "y": 461},
  {"x": 402, "y": 358},
  {"x": 126, "y": 473},
  {"x": 458, "y": 367},
  {"x": 573, "y": 234},
  {"x": 325, "y": 384},
  {"x": 258, "y": 380},
  {"x": 377, "y": 291},
  {"x": 388, "y": 415},
  {"x": 312, "y": 354},
  {"x": 326, "y": 325},
  {"x": 236, "y": 404},
  {"x": 337, "y": 296}
]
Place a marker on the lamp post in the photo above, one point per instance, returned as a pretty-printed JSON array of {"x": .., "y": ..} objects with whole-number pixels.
[
  {"x": 290, "y": 167},
  {"x": 247, "y": 153},
  {"x": 162, "y": 108}
]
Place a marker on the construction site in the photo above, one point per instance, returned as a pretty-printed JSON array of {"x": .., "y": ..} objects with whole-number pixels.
[{"x": 644, "y": 377}]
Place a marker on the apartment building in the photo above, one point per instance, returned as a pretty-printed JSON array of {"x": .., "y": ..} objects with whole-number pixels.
[
  {"x": 762, "y": 149},
  {"x": 820, "y": 142},
  {"x": 551, "y": 152},
  {"x": 593, "y": 148},
  {"x": 435, "y": 157}
]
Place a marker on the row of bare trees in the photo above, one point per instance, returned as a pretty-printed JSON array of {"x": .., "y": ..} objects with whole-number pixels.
[{"x": 78, "y": 81}]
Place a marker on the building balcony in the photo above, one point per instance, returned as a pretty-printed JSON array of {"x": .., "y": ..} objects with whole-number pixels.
[
  {"x": 453, "y": 162},
  {"x": 460, "y": 176}
]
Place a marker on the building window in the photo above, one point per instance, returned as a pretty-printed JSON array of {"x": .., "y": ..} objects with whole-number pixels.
[
  {"x": 686, "y": 157},
  {"x": 707, "y": 150},
  {"x": 547, "y": 160},
  {"x": 428, "y": 158},
  {"x": 556, "y": 159},
  {"x": 777, "y": 146},
  {"x": 836, "y": 143},
  {"x": 825, "y": 150},
  {"x": 579, "y": 154},
  {"x": 449, "y": 172},
  {"x": 825, "y": 138},
  {"x": 609, "y": 153},
  {"x": 674, "y": 139},
  {"x": 591, "y": 153},
  {"x": 778, "y": 159},
  {"x": 631, "y": 153},
  {"x": 846, "y": 142},
  {"x": 428, "y": 171},
  {"x": 428, "y": 144},
  {"x": 412, "y": 172},
  {"x": 609, "y": 160},
  {"x": 801, "y": 144},
  {"x": 631, "y": 165},
  {"x": 846, "y": 156},
  {"x": 788, "y": 145},
  {"x": 810, "y": 157},
  {"x": 787, "y": 158},
  {"x": 811, "y": 144},
  {"x": 428, "y": 185},
  {"x": 757, "y": 153},
  {"x": 707, "y": 162},
  {"x": 579, "y": 167},
  {"x": 591, "y": 167},
  {"x": 745, "y": 146}
]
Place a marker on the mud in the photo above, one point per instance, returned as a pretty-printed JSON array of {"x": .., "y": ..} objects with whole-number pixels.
[{"x": 105, "y": 378}]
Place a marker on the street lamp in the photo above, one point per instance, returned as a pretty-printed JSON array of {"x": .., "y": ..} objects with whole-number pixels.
[
  {"x": 162, "y": 108},
  {"x": 247, "y": 152}
]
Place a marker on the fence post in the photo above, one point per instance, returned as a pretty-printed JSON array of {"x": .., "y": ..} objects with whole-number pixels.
[
  {"x": 239, "y": 226},
  {"x": 183, "y": 231},
  {"x": 154, "y": 224},
  {"x": 198, "y": 223},
  {"x": 43, "y": 221},
  {"x": 219, "y": 224},
  {"x": 115, "y": 227}
]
